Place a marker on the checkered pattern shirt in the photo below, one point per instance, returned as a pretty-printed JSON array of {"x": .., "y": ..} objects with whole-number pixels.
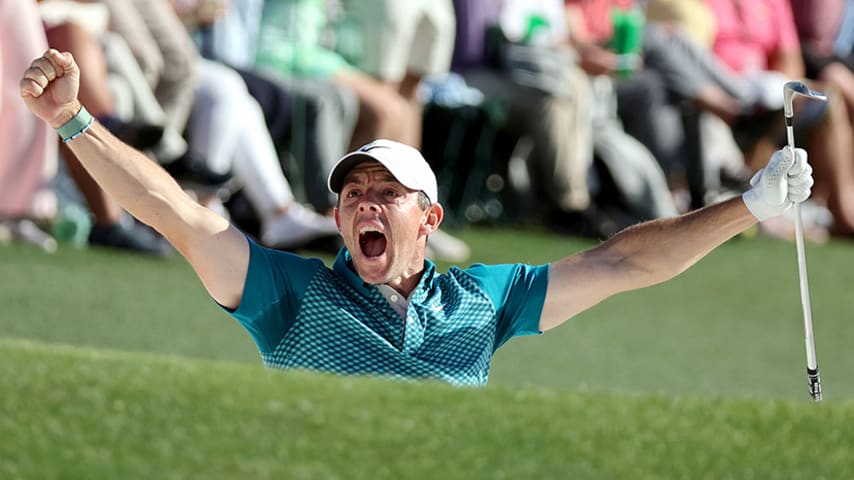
[{"x": 305, "y": 315}]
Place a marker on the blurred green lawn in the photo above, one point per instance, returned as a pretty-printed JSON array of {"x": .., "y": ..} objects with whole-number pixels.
[
  {"x": 731, "y": 326},
  {"x": 75, "y": 413}
]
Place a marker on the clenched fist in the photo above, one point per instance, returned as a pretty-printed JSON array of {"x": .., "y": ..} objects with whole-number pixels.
[{"x": 49, "y": 87}]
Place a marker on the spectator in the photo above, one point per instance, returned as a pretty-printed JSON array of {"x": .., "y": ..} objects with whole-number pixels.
[
  {"x": 558, "y": 120},
  {"x": 167, "y": 57},
  {"x": 28, "y": 156},
  {"x": 659, "y": 87},
  {"x": 555, "y": 108},
  {"x": 403, "y": 41},
  {"x": 290, "y": 44},
  {"x": 227, "y": 128},
  {"x": 819, "y": 26},
  {"x": 690, "y": 17},
  {"x": 110, "y": 228},
  {"x": 227, "y": 131},
  {"x": 771, "y": 49},
  {"x": 311, "y": 120}
]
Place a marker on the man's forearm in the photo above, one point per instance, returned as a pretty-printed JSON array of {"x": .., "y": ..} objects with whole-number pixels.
[
  {"x": 656, "y": 251},
  {"x": 139, "y": 185},
  {"x": 661, "y": 249}
]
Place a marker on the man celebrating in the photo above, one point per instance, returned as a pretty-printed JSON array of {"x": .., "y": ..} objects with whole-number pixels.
[{"x": 382, "y": 309}]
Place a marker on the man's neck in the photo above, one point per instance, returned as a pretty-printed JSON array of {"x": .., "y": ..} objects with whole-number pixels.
[{"x": 406, "y": 284}]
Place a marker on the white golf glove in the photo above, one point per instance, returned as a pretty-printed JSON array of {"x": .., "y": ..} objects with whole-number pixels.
[{"x": 786, "y": 180}]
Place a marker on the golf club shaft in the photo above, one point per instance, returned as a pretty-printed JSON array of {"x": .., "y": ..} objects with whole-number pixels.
[{"x": 809, "y": 340}]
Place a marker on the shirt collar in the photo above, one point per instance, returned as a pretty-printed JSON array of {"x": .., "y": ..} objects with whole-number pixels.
[{"x": 343, "y": 267}]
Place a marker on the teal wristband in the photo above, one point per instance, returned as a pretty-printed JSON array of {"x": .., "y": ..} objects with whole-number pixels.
[{"x": 76, "y": 126}]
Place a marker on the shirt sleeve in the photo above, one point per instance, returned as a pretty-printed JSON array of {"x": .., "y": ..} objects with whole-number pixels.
[
  {"x": 272, "y": 294},
  {"x": 518, "y": 292}
]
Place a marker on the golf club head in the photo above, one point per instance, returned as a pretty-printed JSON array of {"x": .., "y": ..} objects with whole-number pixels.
[{"x": 790, "y": 89}]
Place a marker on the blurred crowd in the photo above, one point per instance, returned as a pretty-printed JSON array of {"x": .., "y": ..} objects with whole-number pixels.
[{"x": 581, "y": 115}]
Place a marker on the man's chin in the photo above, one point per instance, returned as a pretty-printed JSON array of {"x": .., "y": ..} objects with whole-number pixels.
[{"x": 372, "y": 270}]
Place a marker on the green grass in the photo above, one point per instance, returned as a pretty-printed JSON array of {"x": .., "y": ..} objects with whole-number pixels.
[
  {"x": 83, "y": 413},
  {"x": 103, "y": 299},
  {"x": 113, "y": 366},
  {"x": 731, "y": 326}
]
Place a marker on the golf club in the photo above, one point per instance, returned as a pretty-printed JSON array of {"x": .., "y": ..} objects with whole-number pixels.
[{"x": 790, "y": 89}]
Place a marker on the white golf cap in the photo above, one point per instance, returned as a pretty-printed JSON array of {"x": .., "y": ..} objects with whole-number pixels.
[{"x": 404, "y": 162}]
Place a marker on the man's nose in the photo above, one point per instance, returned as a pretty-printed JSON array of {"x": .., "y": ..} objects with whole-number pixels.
[{"x": 368, "y": 203}]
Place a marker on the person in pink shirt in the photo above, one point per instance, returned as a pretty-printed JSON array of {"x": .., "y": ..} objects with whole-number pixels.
[
  {"x": 28, "y": 157},
  {"x": 758, "y": 39},
  {"x": 660, "y": 100},
  {"x": 688, "y": 70},
  {"x": 819, "y": 24},
  {"x": 757, "y": 35}
]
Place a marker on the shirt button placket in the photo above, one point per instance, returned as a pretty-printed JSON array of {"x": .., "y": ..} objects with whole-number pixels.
[{"x": 413, "y": 334}]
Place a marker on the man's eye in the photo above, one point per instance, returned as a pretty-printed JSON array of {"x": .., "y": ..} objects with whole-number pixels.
[
  {"x": 391, "y": 193},
  {"x": 352, "y": 193}
]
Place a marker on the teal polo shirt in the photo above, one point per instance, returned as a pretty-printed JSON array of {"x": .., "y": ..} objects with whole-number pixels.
[{"x": 304, "y": 315}]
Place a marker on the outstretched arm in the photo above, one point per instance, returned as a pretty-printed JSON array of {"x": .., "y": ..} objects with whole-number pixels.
[
  {"x": 218, "y": 252},
  {"x": 658, "y": 250}
]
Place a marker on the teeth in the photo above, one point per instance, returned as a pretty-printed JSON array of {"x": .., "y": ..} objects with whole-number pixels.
[{"x": 369, "y": 228}]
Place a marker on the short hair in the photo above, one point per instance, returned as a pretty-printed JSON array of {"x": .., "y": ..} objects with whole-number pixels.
[{"x": 423, "y": 200}]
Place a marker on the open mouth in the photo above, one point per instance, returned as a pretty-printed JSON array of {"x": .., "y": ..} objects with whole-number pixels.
[{"x": 372, "y": 242}]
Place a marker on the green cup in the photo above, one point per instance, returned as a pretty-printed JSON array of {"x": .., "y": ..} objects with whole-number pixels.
[
  {"x": 72, "y": 225},
  {"x": 627, "y": 39}
]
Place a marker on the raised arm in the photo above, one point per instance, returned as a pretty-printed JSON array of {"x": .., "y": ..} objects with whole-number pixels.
[
  {"x": 655, "y": 251},
  {"x": 218, "y": 252}
]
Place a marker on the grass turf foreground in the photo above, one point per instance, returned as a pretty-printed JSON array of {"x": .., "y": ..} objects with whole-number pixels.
[{"x": 70, "y": 412}]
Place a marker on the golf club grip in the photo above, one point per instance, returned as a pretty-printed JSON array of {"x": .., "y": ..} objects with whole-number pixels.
[{"x": 815, "y": 384}]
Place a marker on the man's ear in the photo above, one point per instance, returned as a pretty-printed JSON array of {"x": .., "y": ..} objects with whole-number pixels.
[
  {"x": 432, "y": 218},
  {"x": 337, "y": 218}
]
